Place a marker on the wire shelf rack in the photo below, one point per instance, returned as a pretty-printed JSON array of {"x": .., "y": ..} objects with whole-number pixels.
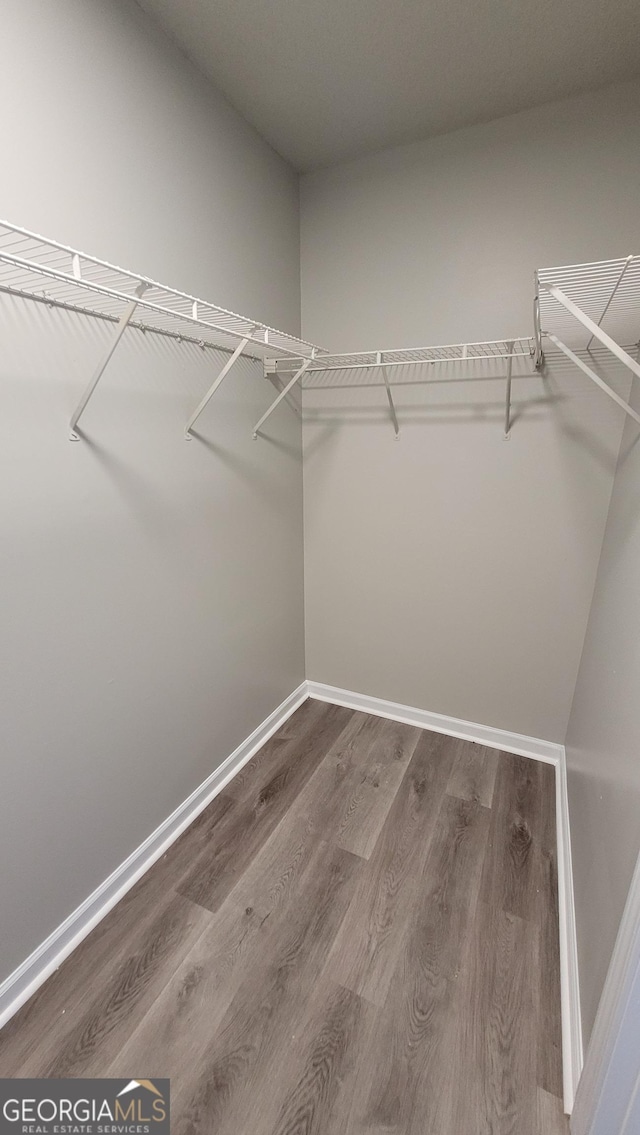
[
  {"x": 329, "y": 370},
  {"x": 40, "y": 269},
  {"x": 579, "y": 305},
  {"x": 606, "y": 291}
]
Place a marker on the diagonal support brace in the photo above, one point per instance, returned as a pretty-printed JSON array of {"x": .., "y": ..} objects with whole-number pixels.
[
  {"x": 507, "y": 408},
  {"x": 392, "y": 409},
  {"x": 212, "y": 389},
  {"x": 277, "y": 385},
  {"x": 596, "y": 331},
  {"x": 594, "y": 377},
  {"x": 102, "y": 365},
  {"x": 283, "y": 393}
]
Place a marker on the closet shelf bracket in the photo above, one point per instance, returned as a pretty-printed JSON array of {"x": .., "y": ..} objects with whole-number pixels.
[
  {"x": 283, "y": 394},
  {"x": 507, "y": 409},
  {"x": 121, "y": 327},
  {"x": 392, "y": 409},
  {"x": 242, "y": 345}
]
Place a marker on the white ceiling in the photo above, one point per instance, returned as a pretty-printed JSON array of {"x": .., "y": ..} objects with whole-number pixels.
[{"x": 326, "y": 80}]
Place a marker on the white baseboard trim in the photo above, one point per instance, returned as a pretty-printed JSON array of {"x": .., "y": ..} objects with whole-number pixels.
[
  {"x": 453, "y": 726},
  {"x": 610, "y": 1082},
  {"x": 572, "y": 1052},
  {"x": 28, "y": 977},
  {"x": 537, "y": 749}
]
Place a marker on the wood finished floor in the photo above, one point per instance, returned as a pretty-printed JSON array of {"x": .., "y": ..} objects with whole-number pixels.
[{"x": 359, "y": 936}]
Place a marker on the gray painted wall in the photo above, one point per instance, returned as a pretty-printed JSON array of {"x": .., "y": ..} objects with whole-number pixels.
[
  {"x": 152, "y": 590},
  {"x": 459, "y": 568},
  {"x": 603, "y": 739}
]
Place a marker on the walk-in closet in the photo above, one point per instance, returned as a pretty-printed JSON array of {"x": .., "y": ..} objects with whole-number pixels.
[{"x": 320, "y": 571}]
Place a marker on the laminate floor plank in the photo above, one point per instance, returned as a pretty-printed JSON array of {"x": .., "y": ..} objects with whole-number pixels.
[
  {"x": 201, "y": 990},
  {"x": 358, "y": 936},
  {"x": 474, "y": 772},
  {"x": 221, "y": 1090},
  {"x": 366, "y": 950},
  {"x": 182, "y": 1022},
  {"x": 511, "y": 876},
  {"x": 402, "y": 1074},
  {"x": 311, "y": 1088},
  {"x": 550, "y": 1115},
  {"x": 367, "y": 806},
  {"x": 246, "y": 827},
  {"x": 69, "y": 991},
  {"x": 268, "y": 761},
  {"x": 86, "y": 1042},
  {"x": 495, "y": 1035},
  {"x": 314, "y": 816}
]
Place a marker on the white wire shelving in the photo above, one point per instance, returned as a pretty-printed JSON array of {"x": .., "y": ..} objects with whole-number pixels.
[
  {"x": 36, "y": 268},
  {"x": 575, "y": 306},
  {"x": 579, "y": 305},
  {"x": 327, "y": 369}
]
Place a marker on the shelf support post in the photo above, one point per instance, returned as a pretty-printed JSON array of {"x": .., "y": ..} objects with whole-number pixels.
[
  {"x": 596, "y": 377},
  {"x": 212, "y": 389},
  {"x": 283, "y": 393},
  {"x": 507, "y": 409},
  {"x": 392, "y": 409},
  {"x": 102, "y": 365}
]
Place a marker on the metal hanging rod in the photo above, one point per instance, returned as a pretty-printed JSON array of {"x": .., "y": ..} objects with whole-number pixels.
[
  {"x": 37, "y": 268},
  {"x": 579, "y": 303},
  {"x": 179, "y": 336}
]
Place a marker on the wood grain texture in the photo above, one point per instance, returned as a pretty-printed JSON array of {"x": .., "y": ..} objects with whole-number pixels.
[
  {"x": 358, "y": 936},
  {"x": 88, "y": 1034},
  {"x": 496, "y": 1033},
  {"x": 367, "y": 948},
  {"x": 331, "y": 1042},
  {"x": 245, "y": 827},
  {"x": 474, "y": 772},
  {"x": 550, "y": 1115},
  {"x": 512, "y": 868},
  {"x": 268, "y": 760},
  {"x": 402, "y": 1073},
  {"x": 68, "y": 993},
  {"x": 367, "y": 805},
  {"x": 263, "y": 1015}
]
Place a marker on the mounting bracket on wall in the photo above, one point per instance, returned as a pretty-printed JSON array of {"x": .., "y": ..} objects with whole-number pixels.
[{"x": 601, "y": 298}]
